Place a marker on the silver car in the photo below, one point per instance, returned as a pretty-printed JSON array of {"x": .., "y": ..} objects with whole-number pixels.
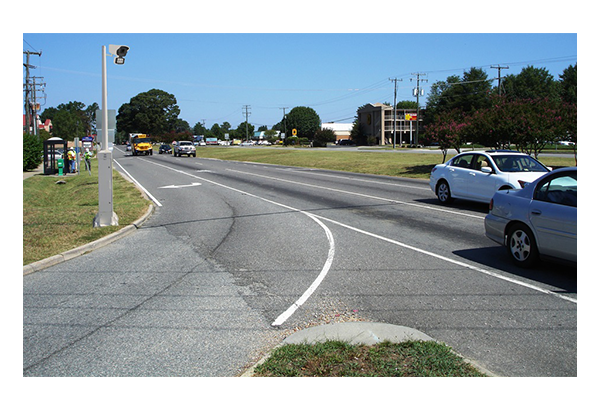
[
  {"x": 478, "y": 175},
  {"x": 539, "y": 220}
]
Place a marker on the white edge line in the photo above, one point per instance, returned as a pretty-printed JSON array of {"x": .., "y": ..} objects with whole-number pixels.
[
  {"x": 139, "y": 185},
  {"x": 465, "y": 265}
]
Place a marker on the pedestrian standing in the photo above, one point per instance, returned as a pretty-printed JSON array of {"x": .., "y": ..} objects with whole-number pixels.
[
  {"x": 87, "y": 156},
  {"x": 72, "y": 163}
]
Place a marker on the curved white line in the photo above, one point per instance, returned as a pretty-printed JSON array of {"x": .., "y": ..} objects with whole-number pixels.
[
  {"x": 290, "y": 311},
  {"x": 329, "y": 261}
]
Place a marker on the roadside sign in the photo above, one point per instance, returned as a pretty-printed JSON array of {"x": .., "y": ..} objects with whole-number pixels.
[{"x": 294, "y": 132}]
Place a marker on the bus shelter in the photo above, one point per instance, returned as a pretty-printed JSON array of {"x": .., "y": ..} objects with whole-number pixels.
[{"x": 54, "y": 148}]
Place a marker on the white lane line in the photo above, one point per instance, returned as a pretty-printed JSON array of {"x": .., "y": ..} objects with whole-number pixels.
[
  {"x": 330, "y": 255},
  {"x": 453, "y": 261},
  {"x": 138, "y": 184},
  {"x": 395, "y": 201},
  {"x": 300, "y": 171}
]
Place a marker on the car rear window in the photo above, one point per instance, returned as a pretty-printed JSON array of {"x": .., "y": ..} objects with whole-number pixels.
[{"x": 518, "y": 163}]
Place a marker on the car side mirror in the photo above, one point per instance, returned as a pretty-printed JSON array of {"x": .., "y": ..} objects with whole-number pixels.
[{"x": 487, "y": 170}]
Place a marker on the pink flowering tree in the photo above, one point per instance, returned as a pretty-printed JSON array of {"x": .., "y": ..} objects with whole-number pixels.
[{"x": 448, "y": 130}]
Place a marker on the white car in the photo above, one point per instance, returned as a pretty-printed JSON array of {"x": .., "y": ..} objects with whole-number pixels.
[
  {"x": 539, "y": 220},
  {"x": 478, "y": 175}
]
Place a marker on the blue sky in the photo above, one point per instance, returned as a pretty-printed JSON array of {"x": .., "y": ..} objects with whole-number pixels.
[{"x": 214, "y": 75}]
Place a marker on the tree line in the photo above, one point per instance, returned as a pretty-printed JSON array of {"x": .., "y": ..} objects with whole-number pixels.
[{"x": 527, "y": 111}]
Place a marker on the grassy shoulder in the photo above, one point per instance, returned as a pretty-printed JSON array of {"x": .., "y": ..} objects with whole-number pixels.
[
  {"x": 59, "y": 217},
  {"x": 398, "y": 164},
  {"x": 340, "y": 359}
]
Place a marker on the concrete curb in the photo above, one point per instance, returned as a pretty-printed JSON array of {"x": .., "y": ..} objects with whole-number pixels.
[
  {"x": 89, "y": 247},
  {"x": 367, "y": 333}
]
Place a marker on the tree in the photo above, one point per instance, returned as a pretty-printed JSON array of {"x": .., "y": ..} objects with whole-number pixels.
[
  {"x": 323, "y": 136},
  {"x": 568, "y": 85},
  {"x": 358, "y": 133},
  {"x": 448, "y": 130},
  {"x": 71, "y": 120},
  {"x": 245, "y": 130},
  {"x": 531, "y": 83},
  {"x": 407, "y": 104},
  {"x": 304, "y": 120},
  {"x": 199, "y": 129},
  {"x": 467, "y": 94},
  {"x": 154, "y": 112},
  {"x": 68, "y": 125}
]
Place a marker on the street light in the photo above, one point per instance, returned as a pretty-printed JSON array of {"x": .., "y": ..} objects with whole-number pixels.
[{"x": 106, "y": 216}]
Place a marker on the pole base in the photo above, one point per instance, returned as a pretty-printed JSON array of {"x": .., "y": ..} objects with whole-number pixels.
[{"x": 106, "y": 220}]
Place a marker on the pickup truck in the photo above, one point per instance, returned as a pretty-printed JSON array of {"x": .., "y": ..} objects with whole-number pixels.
[{"x": 184, "y": 148}]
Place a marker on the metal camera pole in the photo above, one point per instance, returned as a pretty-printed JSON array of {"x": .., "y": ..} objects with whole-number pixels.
[{"x": 105, "y": 215}]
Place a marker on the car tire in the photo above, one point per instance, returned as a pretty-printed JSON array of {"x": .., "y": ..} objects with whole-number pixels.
[
  {"x": 521, "y": 246},
  {"x": 442, "y": 190}
]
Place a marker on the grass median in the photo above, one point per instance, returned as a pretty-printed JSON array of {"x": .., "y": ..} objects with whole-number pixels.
[
  {"x": 59, "y": 217},
  {"x": 392, "y": 163},
  {"x": 341, "y": 359}
]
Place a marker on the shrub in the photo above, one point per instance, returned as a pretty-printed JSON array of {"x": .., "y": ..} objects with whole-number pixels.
[{"x": 32, "y": 152}]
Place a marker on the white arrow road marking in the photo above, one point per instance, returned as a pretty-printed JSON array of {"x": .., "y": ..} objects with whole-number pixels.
[{"x": 180, "y": 186}]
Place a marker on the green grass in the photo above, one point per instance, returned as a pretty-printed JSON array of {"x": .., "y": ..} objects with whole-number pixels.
[
  {"x": 59, "y": 217},
  {"x": 398, "y": 164},
  {"x": 340, "y": 359}
]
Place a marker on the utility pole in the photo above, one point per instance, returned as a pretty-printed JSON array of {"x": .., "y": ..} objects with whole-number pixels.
[
  {"x": 395, "y": 81},
  {"x": 246, "y": 108},
  {"x": 499, "y": 68},
  {"x": 27, "y": 104},
  {"x": 418, "y": 91},
  {"x": 34, "y": 103},
  {"x": 284, "y": 129}
]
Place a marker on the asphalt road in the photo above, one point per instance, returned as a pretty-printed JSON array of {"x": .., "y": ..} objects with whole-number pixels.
[{"x": 238, "y": 255}]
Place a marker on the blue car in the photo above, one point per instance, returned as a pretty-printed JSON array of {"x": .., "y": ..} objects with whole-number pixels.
[{"x": 538, "y": 221}]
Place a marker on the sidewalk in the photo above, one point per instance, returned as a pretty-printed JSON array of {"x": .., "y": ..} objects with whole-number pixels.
[{"x": 38, "y": 170}]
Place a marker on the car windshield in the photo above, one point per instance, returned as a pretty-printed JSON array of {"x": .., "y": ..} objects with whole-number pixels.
[
  {"x": 185, "y": 143},
  {"x": 518, "y": 163},
  {"x": 140, "y": 140}
]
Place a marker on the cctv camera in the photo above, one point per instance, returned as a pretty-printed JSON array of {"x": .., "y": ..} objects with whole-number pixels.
[{"x": 120, "y": 51}]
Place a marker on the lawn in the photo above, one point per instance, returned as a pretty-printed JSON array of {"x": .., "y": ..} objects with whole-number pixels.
[
  {"x": 59, "y": 217},
  {"x": 393, "y": 163}
]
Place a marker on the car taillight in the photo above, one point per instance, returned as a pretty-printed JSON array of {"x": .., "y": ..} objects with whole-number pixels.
[{"x": 491, "y": 204}]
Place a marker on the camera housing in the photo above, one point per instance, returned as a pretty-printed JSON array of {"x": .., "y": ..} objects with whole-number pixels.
[{"x": 120, "y": 51}]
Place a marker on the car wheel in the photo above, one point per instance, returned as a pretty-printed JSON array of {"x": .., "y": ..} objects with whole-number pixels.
[
  {"x": 521, "y": 246},
  {"x": 443, "y": 192}
]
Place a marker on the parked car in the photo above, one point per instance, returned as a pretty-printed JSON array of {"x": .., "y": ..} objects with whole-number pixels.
[
  {"x": 478, "y": 175},
  {"x": 165, "y": 149},
  {"x": 184, "y": 148},
  {"x": 538, "y": 221}
]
